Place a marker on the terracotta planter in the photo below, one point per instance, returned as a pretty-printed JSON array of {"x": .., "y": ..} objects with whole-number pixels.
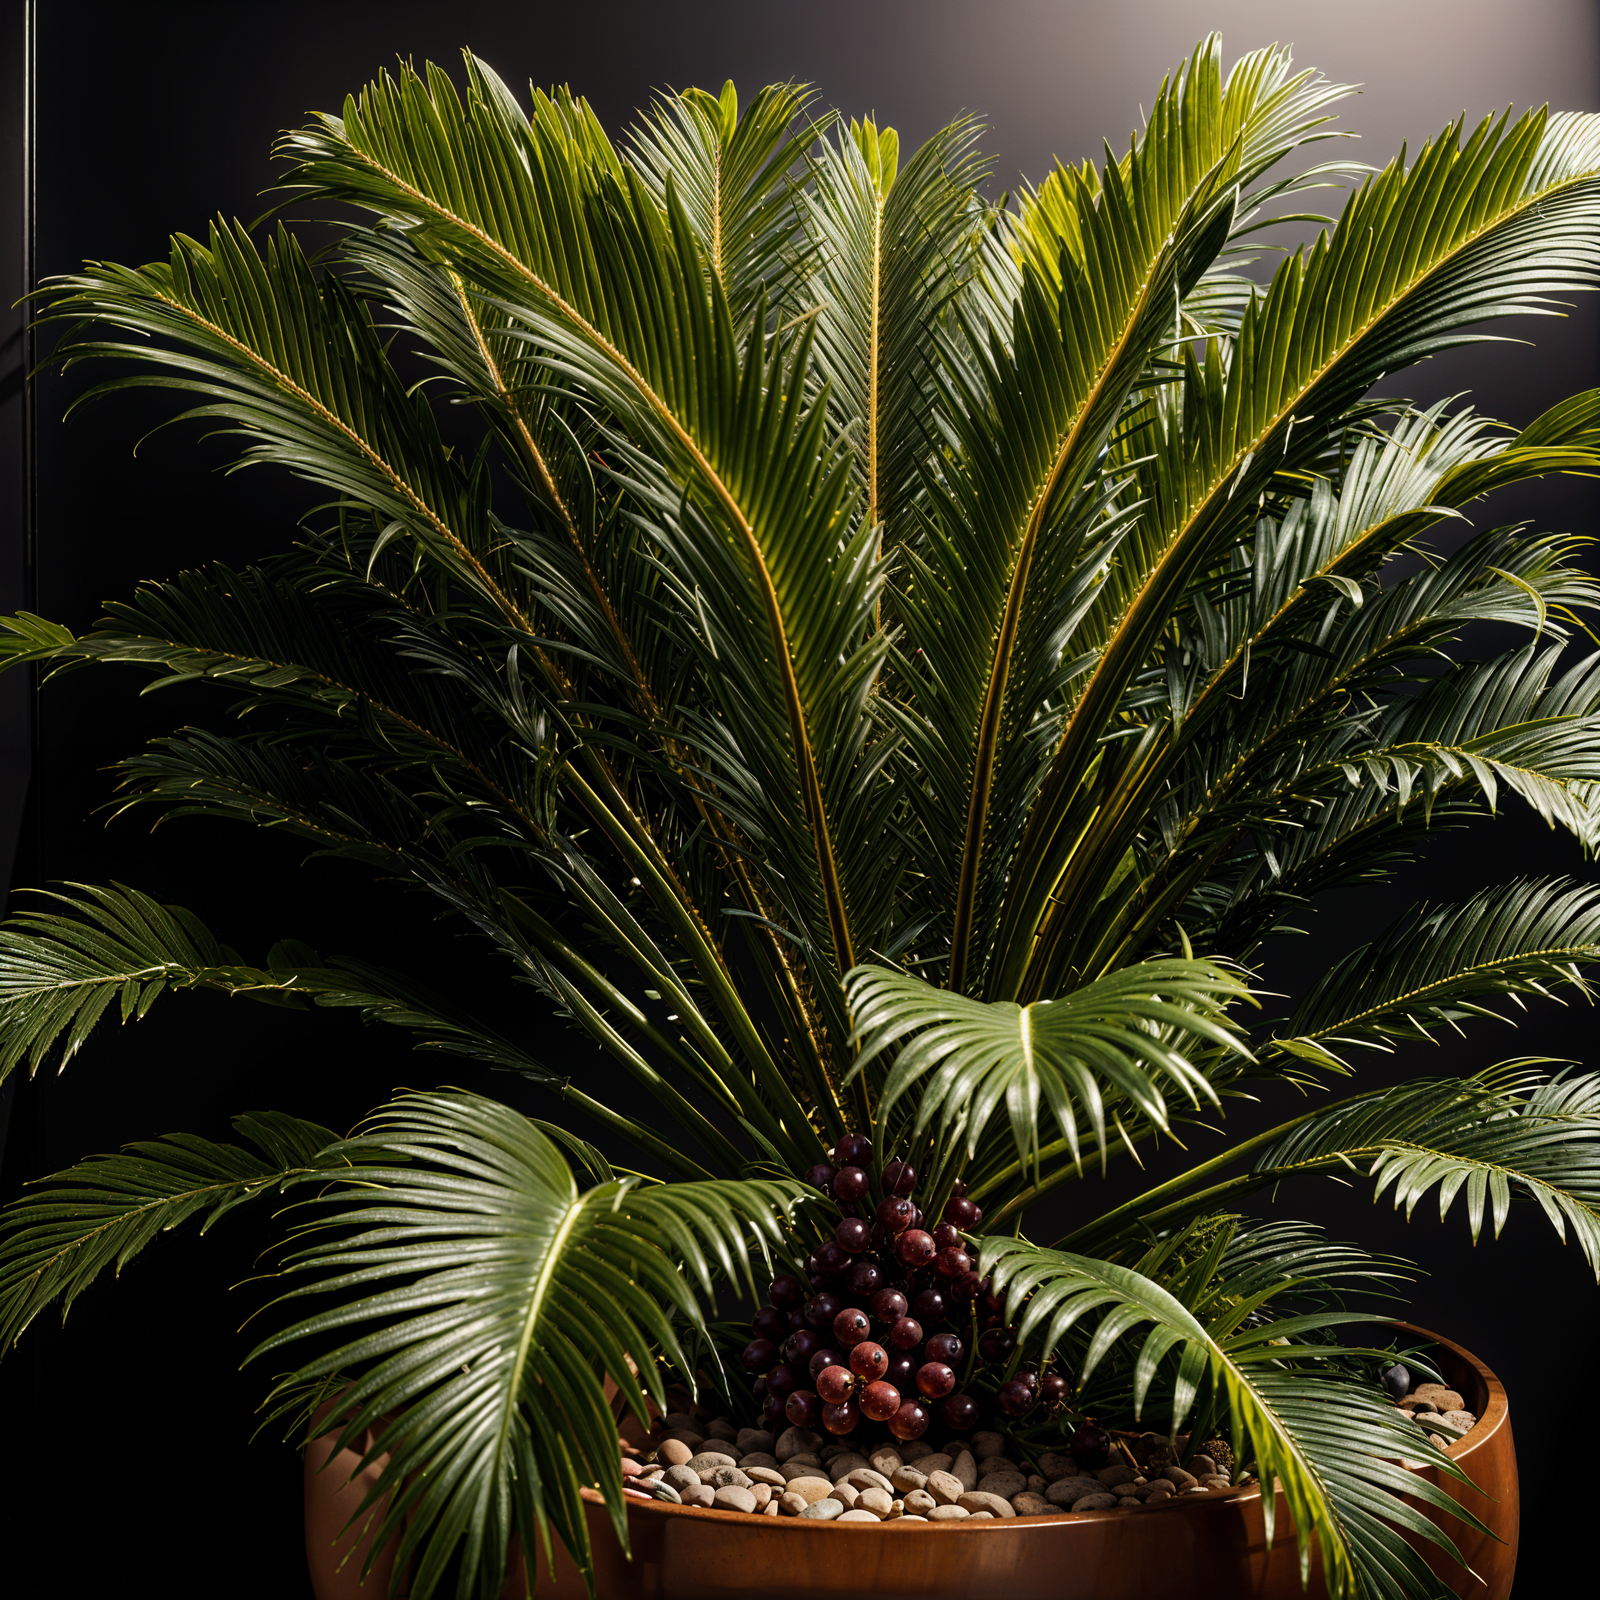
[{"x": 1212, "y": 1545}]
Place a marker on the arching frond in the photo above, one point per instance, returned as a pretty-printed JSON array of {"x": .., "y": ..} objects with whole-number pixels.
[
  {"x": 102, "y": 1212},
  {"x": 490, "y": 1359},
  {"x": 1337, "y": 1480},
  {"x": 60, "y": 975},
  {"x": 1433, "y": 967},
  {"x": 750, "y": 507},
  {"x": 1465, "y": 233},
  {"x": 1125, "y": 1041},
  {"x": 1016, "y": 539},
  {"x": 1504, "y": 1134}
]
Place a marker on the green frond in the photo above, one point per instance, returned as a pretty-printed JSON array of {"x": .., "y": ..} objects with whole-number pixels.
[
  {"x": 1261, "y": 106},
  {"x": 730, "y": 169},
  {"x": 1435, "y": 967},
  {"x": 895, "y": 247},
  {"x": 103, "y": 1211},
  {"x": 61, "y": 974},
  {"x": 1330, "y": 1445},
  {"x": 1017, "y": 539},
  {"x": 1420, "y": 253},
  {"x": 1507, "y": 1133},
  {"x": 748, "y": 504},
  {"x": 26, "y": 637},
  {"x": 293, "y": 364},
  {"x": 531, "y": 1293},
  {"x": 1122, "y": 1042},
  {"x": 1510, "y": 1135}
]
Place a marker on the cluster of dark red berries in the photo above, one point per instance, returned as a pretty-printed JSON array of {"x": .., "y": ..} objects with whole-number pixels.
[{"x": 890, "y": 1315}]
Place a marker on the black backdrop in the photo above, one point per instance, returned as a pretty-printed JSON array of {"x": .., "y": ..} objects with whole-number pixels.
[{"x": 128, "y": 1434}]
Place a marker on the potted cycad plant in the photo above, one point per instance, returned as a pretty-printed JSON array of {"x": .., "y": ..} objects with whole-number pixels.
[{"x": 886, "y": 664}]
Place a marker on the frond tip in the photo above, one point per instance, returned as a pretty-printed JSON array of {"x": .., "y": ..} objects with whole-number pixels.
[{"x": 102, "y": 1212}]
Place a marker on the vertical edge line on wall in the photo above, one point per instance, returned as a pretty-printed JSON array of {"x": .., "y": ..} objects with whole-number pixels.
[
  {"x": 30, "y": 358},
  {"x": 25, "y": 863}
]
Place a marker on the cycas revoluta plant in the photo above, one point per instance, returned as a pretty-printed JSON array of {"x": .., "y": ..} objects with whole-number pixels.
[{"x": 891, "y": 663}]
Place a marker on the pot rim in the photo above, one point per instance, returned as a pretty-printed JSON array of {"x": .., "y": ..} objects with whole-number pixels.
[{"x": 1490, "y": 1421}]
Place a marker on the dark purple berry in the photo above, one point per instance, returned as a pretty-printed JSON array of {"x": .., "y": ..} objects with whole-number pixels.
[
  {"x": 822, "y": 1308},
  {"x": 961, "y": 1413},
  {"x": 1014, "y": 1398},
  {"x": 929, "y": 1307},
  {"x": 935, "y": 1380},
  {"x": 850, "y": 1184},
  {"x": 960, "y": 1212},
  {"x": 894, "y": 1214},
  {"x": 852, "y": 1235},
  {"x": 803, "y": 1408},
  {"x": 902, "y": 1369},
  {"x": 945, "y": 1236},
  {"x": 1090, "y": 1447},
  {"x": 899, "y": 1177},
  {"x": 910, "y": 1421},
  {"x": 952, "y": 1263},
  {"x": 772, "y": 1410},
  {"x": 786, "y": 1291},
  {"x": 831, "y": 1258},
  {"x": 821, "y": 1177},
  {"x": 946, "y": 1347},
  {"x": 851, "y": 1328},
  {"x": 904, "y": 1332},
  {"x": 915, "y": 1248},
  {"x": 854, "y": 1150},
  {"x": 967, "y": 1287},
  {"x": 759, "y": 1355},
  {"x": 783, "y": 1381},
  {"x": 997, "y": 1344},
  {"x": 888, "y": 1305},
  {"x": 869, "y": 1361},
  {"x": 841, "y": 1419},
  {"x": 1053, "y": 1388},
  {"x": 879, "y": 1401},
  {"x": 800, "y": 1346},
  {"x": 770, "y": 1323},
  {"x": 865, "y": 1278},
  {"x": 825, "y": 1358},
  {"x": 835, "y": 1385}
]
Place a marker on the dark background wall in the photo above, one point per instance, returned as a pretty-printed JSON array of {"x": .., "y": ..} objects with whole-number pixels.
[{"x": 128, "y": 1434}]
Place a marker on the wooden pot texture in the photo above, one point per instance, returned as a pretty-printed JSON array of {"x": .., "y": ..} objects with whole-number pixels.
[{"x": 1211, "y": 1545}]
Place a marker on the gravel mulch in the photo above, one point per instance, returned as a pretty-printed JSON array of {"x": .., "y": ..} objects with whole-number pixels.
[{"x": 688, "y": 1461}]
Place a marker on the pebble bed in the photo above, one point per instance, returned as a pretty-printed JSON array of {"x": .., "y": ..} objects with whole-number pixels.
[
  {"x": 1440, "y": 1411},
  {"x": 806, "y": 1475},
  {"x": 797, "y": 1473}
]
